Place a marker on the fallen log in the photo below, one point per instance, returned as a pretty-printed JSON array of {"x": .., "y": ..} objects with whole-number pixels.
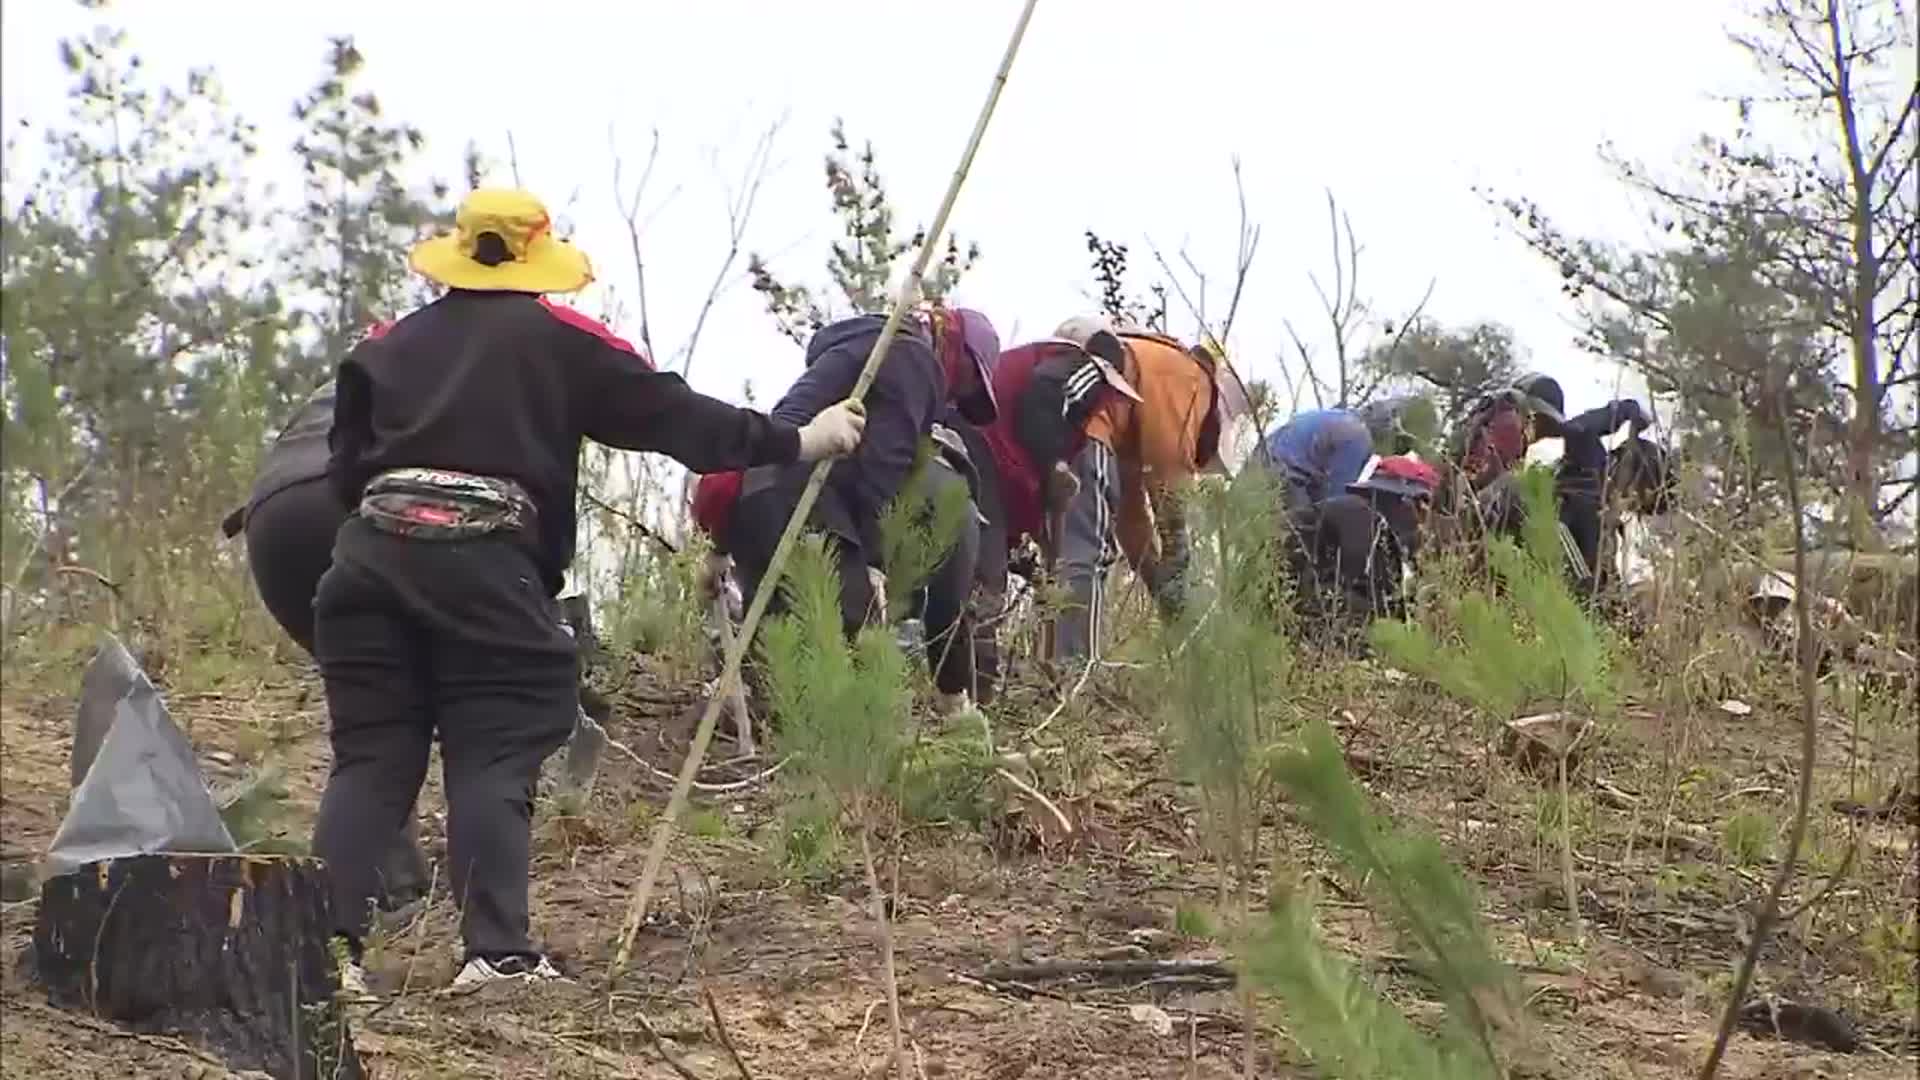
[{"x": 229, "y": 951}]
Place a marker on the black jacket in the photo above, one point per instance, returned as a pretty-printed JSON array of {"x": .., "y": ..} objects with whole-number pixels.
[
  {"x": 1583, "y": 462},
  {"x": 297, "y": 456},
  {"x": 508, "y": 385},
  {"x": 1346, "y": 553},
  {"x": 901, "y": 407}
]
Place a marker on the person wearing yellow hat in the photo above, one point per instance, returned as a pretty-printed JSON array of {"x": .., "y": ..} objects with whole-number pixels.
[{"x": 455, "y": 437}]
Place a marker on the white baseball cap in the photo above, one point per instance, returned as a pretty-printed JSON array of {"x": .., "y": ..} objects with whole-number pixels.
[{"x": 1096, "y": 336}]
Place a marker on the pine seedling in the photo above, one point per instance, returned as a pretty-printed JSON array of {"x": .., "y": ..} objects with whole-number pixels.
[
  {"x": 1435, "y": 909},
  {"x": 1527, "y": 644},
  {"x": 1342, "y": 1023},
  {"x": 842, "y": 711},
  {"x": 255, "y": 808},
  {"x": 918, "y": 529},
  {"x": 1228, "y": 662}
]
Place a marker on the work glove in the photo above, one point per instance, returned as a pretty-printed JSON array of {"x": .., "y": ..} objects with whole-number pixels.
[
  {"x": 712, "y": 575},
  {"x": 1062, "y": 487},
  {"x": 833, "y": 433},
  {"x": 877, "y": 581}
]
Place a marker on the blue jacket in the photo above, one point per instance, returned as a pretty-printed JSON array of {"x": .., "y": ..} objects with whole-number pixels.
[
  {"x": 1319, "y": 453},
  {"x": 901, "y": 406}
]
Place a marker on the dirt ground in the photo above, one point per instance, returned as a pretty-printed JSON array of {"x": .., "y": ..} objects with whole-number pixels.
[{"x": 738, "y": 958}]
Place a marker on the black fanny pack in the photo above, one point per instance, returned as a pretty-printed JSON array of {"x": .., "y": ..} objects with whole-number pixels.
[{"x": 440, "y": 504}]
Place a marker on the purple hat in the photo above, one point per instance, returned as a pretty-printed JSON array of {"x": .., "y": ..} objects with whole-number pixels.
[{"x": 981, "y": 343}]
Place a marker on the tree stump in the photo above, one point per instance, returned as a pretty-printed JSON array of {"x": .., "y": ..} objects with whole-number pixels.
[{"x": 229, "y": 950}]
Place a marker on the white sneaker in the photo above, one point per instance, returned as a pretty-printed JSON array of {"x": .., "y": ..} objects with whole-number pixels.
[{"x": 480, "y": 972}]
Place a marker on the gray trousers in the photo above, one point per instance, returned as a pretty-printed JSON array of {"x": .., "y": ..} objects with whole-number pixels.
[{"x": 1088, "y": 548}]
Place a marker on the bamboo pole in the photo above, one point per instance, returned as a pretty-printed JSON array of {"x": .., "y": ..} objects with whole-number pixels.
[{"x": 730, "y": 672}]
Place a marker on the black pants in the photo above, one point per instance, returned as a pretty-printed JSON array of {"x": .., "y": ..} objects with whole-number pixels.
[
  {"x": 947, "y": 613},
  {"x": 754, "y": 531},
  {"x": 458, "y": 639},
  {"x": 289, "y": 546},
  {"x": 1580, "y": 513},
  {"x": 989, "y": 607},
  {"x": 961, "y": 602}
]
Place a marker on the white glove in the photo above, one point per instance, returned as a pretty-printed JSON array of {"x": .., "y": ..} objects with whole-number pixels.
[
  {"x": 833, "y": 433},
  {"x": 877, "y": 581},
  {"x": 1063, "y": 487}
]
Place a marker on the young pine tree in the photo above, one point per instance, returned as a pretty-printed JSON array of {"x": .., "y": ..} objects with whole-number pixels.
[
  {"x": 841, "y": 712},
  {"x": 1340, "y": 1020},
  {"x": 362, "y": 211},
  {"x": 1524, "y": 645},
  {"x": 861, "y": 264},
  {"x": 918, "y": 530},
  {"x": 1228, "y": 662},
  {"x": 1228, "y": 704}
]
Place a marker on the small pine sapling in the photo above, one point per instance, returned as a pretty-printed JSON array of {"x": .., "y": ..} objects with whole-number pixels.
[
  {"x": 1525, "y": 643},
  {"x": 1228, "y": 662},
  {"x": 918, "y": 530},
  {"x": 842, "y": 711},
  {"x": 945, "y": 774},
  {"x": 1407, "y": 876}
]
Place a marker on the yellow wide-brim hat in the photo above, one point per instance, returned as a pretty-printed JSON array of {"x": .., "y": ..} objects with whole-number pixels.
[{"x": 536, "y": 262}]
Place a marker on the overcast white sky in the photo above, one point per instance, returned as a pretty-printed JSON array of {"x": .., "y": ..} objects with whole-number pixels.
[{"x": 1121, "y": 116}]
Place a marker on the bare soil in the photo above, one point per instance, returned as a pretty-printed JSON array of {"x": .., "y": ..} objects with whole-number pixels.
[{"x": 791, "y": 969}]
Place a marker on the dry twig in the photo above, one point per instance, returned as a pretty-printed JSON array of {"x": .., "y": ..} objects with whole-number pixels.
[{"x": 726, "y": 1041}]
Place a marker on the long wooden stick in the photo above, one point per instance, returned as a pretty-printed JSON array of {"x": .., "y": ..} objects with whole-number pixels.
[{"x": 730, "y": 673}]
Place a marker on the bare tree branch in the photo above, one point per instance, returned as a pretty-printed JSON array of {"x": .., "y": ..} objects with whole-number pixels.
[
  {"x": 630, "y": 213},
  {"x": 1306, "y": 362},
  {"x": 1399, "y": 337},
  {"x": 739, "y": 213},
  {"x": 1808, "y": 654},
  {"x": 1249, "y": 245}
]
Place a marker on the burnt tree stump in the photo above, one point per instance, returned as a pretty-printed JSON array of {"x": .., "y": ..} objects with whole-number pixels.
[{"x": 231, "y": 951}]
